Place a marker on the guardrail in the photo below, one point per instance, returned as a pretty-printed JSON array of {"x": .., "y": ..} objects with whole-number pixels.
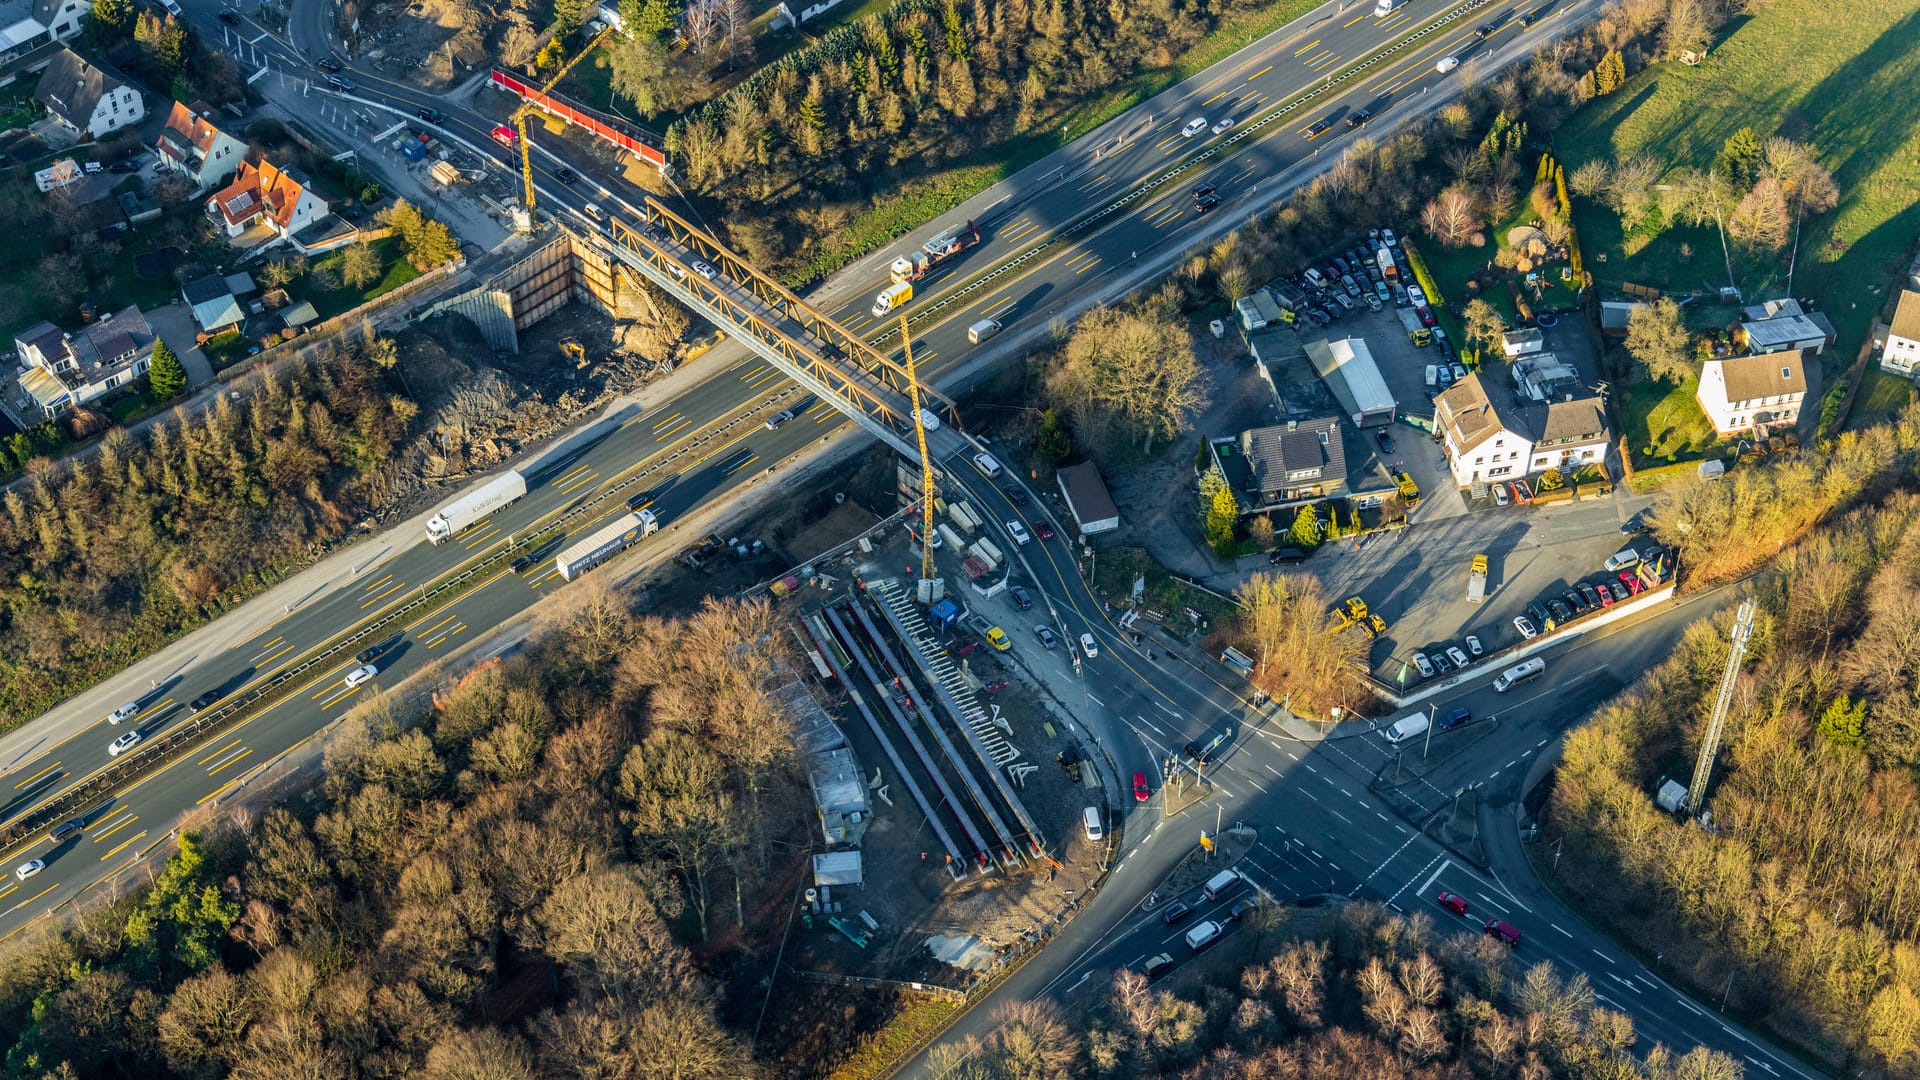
[
  {"x": 1080, "y": 224},
  {"x": 163, "y": 750}
]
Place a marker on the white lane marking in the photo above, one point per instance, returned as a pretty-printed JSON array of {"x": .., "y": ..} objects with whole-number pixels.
[
  {"x": 1342, "y": 817},
  {"x": 1433, "y": 877},
  {"x": 1096, "y": 701},
  {"x": 1602, "y": 956},
  {"x": 1169, "y": 712},
  {"x": 1628, "y": 983},
  {"x": 1309, "y": 767},
  {"x": 1563, "y": 933},
  {"x": 1273, "y": 770}
]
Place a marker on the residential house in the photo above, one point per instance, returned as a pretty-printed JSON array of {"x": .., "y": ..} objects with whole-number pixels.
[
  {"x": 86, "y": 99},
  {"x": 1902, "y": 353},
  {"x": 27, "y": 25},
  {"x": 213, "y": 304},
  {"x": 1780, "y": 325},
  {"x": 193, "y": 147},
  {"x": 266, "y": 194},
  {"x": 1300, "y": 461},
  {"x": 1087, "y": 498},
  {"x": 62, "y": 19},
  {"x": 63, "y": 369},
  {"x": 1749, "y": 394},
  {"x": 1490, "y": 436}
]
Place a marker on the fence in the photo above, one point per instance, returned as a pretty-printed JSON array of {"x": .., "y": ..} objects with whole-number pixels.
[{"x": 637, "y": 141}]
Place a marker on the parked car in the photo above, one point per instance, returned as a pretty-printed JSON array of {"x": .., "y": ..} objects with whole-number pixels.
[
  {"x": 1537, "y": 613},
  {"x": 1279, "y": 556},
  {"x": 1455, "y": 904},
  {"x": 1387, "y": 238},
  {"x": 1473, "y": 644},
  {"x": 1022, "y": 599},
  {"x": 1045, "y": 634},
  {"x": 1417, "y": 295},
  {"x": 1525, "y": 626},
  {"x": 1600, "y": 590},
  {"x": 1459, "y": 658},
  {"x": 1619, "y": 591},
  {"x": 1561, "y": 612},
  {"x": 127, "y": 166},
  {"x": 1441, "y": 663},
  {"x": 1384, "y": 438},
  {"x": 997, "y": 638},
  {"x": 1632, "y": 582},
  {"x": 1426, "y": 666},
  {"x": 1590, "y": 594},
  {"x": 229, "y": 16},
  {"x": 1500, "y": 497},
  {"x": 1634, "y": 525}
]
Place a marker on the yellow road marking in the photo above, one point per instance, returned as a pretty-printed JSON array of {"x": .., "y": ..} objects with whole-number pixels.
[
  {"x": 1262, "y": 71},
  {"x": 8, "y": 891},
  {"x": 672, "y": 431},
  {"x": 1353, "y": 20},
  {"x": 578, "y": 484},
  {"x": 429, "y": 630},
  {"x": 218, "y": 752},
  {"x": 1215, "y": 98},
  {"x": 216, "y": 769},
  {"x": 121, "y": 846},
  {"x": 1306, "y": 47},
  {"x": 671, "y": 417},
  {"x": 36, "y": 776},
  {"x": 36, "y": 896},
  {"x": 130, "y": 819},
  {"x": 1087, "y": 267},
  {"x": 369, "y": 588}
]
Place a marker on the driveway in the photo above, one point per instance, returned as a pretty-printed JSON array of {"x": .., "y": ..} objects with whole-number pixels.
[{"x": 174, "y": 323}]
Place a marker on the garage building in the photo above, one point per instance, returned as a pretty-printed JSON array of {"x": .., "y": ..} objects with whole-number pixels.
[
  {"x": 1348, "y": 369},
  {"x": 1087, "y": 499}
]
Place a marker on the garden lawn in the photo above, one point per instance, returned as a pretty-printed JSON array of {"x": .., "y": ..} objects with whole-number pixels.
[
  {"x": 1664, "y": 424},
  {"x": 1882, "y": 396},
  {"x": 1796, "y": 69},
  {"x": 396, "y": 271}
]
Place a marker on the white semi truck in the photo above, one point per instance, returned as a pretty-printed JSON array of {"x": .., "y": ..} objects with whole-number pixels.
[
  {"x": 476, "y": 505},
  {"x": 604, "y": 543}
]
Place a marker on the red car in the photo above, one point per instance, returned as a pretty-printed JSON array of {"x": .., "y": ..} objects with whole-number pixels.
[
  {"x": 1632, "y": 582},
  {"x": 505, "y": 136},
  {"x": 1455, "y": 904},
  {"x": 1043, "y": 530},
  {"x": 1506, "y": 932},
  {"x": 1140, "y": 792}
]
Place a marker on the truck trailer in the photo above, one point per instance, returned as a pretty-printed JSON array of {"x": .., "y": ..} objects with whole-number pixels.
[
  {"x": 605, "y": 543},
  {"x": 475, "y": 505},
  {"x": 915, "y": 265}
]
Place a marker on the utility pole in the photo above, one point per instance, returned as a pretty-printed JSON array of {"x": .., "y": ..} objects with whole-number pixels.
[
  {"x": 1433, "y": 714},
  {"x": 1703, "y": 769}
]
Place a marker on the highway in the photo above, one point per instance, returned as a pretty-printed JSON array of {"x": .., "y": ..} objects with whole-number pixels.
[{"x": 705, "y": 444}]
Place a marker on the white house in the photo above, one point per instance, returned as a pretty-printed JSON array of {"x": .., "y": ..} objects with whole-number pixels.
[
  {"x": 1902, "y": 354},
  {"x": 63, "y": 369},
  {"x": 26, "y": 25},
  {"x": 265, "y": 194},
  {"x": 192, "y": 146},
  {"x": 1490, "y": 437},
  {"x": 1779, "y": 325},
  {"x": 1749, "y": 394},
  {"x": 86, "y": 99},
  {"x": 1522, "y": 342}
]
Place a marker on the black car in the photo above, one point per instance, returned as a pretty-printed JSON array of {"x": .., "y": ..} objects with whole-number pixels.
[
  {"x": 65, "y": 829},
  {"x": 1018, "y": 497},
  {"x": 1634, "y": 525},
  {"x": 1176, "y": 911},
  {"x": 229, "y": 16},
  {"x": 373, "y": 652},
  {"x": 1192, "y": 750},
  {"x": 639, "y": 500},
  {"x": 1385, "y": 439},
  {"x": 205, "y": 700},
  {"x": 340, "y": 83},
  {"x": 1240, "y": 909},
  {"x": 1561, "y": 612},
  {"x": 1526, "y": 21},
  {"x": 1157, "y": 966},
  {"x": 432, "y": 116},
  {"x": 1286, "y": 555},
  {"x": 1590, "y": 595},
  {"x": 521, "y": 563},
  {"x": 1483, "y": 32},
  {"x": 1318, "y": 128},
  {"x": 1537, "y": 613},
  {"x": 1022, "y": 599},
  {"x": 566, "y": 176},
  {"x": 1206, "y": 202},
  {"x": 1619, "y": 589},
  {"x": 1202, "y": 192},
  {"x": 1575, "y": 601},
  {"x": 127, "y": 166},
  {"x": 328, "y": 64},
  {"x": 1359, "y": 118}
]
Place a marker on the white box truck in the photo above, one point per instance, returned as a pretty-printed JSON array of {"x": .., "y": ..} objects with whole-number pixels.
[
  {"x": 475, "y": 505},
  {"x": 605, "y": 543}
]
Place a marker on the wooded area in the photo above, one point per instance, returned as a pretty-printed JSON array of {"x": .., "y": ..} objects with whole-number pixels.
[
  {"x": 105, "y": 558},
  {"x": 1379, "y": 996},
  {"x": 1802, "y": 906},
  {"x": 506, "y": 890}
]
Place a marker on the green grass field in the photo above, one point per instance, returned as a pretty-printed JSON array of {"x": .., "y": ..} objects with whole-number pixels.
[
  {"x": 1664, "y": 423},
  {"x": 1843, "y": 85}
]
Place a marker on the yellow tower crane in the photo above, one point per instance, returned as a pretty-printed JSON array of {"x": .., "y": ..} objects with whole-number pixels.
[
  {"x": 519, "y": 118},
  {"x": 926, "y": 460}
]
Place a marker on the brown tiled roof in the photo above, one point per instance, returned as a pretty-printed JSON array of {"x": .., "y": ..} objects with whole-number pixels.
[
  {"x": 188, "y": 126},
  {"x": 1750, "y": 378},
  {"x": 1468, "y": 412},
  {"x": 1906, "y": 317}
]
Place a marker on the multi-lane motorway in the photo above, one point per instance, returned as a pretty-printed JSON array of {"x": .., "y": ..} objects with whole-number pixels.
[{"x": 701, "y": 446}]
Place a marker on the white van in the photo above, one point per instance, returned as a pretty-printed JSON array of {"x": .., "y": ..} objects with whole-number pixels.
[
  {"x": 1519, "y": 673},
  {"x": 1095, "y": 830},
  {"x": 982, "y": 330},
  {"x": 1315, "y": 278},
  {"x": 1203, "y": 935},
  {"x": 987, "y": 465},
  {"x": 1433, "y": 377},
  {"x": 1221, "y": 884},
  {"x": 1406, "y": 728}
]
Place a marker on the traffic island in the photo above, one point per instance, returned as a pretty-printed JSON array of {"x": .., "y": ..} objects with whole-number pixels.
[
  {"x": 1196, "y": 866},
  {"x": 1184, "y": 791},
  {"x": 1457, "y": 826}
]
